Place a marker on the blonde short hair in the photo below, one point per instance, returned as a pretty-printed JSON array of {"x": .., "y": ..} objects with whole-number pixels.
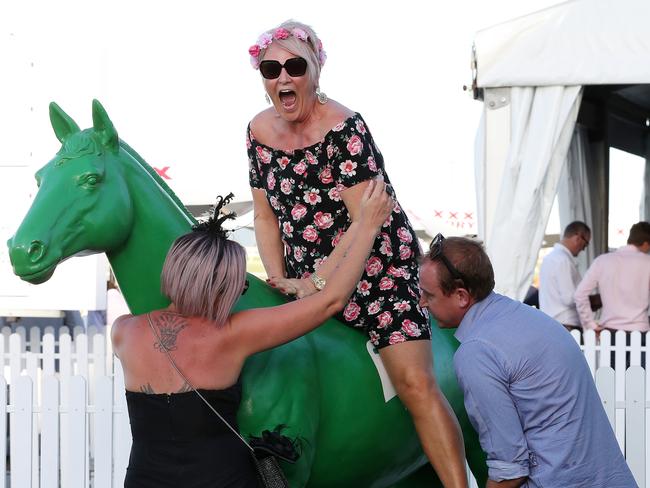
[
  {"x": 204, "y": 275},
  {"x": 305, "y": 49}
]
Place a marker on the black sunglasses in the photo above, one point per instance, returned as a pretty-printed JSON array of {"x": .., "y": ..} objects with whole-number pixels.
[
  {"x": 271, "y": 69},
  {"x": 246, "y": 284},
  {"x": 435, "y": 252}
]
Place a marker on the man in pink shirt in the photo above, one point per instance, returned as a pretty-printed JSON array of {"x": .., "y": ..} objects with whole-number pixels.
[{"x": 623, "y": 281}]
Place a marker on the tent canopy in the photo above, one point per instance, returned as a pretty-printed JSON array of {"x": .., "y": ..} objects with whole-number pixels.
[
  {"x": 581, "y": 42},
  {"x": 560, "y": 87}
]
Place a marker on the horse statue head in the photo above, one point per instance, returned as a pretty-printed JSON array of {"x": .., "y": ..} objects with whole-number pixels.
[
  {"x": 90, "y": 194},
  {"x": 71, "y": 186}
]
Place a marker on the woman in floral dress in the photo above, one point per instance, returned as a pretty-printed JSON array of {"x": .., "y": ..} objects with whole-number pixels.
[{"x": 310, "y": 160}]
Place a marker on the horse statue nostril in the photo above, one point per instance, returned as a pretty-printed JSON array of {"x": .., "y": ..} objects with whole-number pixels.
[{"x": 36, "y": 251}]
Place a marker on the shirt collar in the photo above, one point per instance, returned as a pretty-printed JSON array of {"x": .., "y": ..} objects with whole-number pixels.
[
  {"x": 564, "y": 249},
  {"x": 629, "y": 248},
  {"x": 467, "y": 327}
]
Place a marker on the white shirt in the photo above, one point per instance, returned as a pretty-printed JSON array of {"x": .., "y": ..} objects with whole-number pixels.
[
  {"x": 558, "y": 280},
  {"x": 623, "y": 280}
]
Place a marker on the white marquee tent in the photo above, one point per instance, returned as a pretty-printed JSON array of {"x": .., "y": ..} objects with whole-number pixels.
[{"x": 559, "y": 87}]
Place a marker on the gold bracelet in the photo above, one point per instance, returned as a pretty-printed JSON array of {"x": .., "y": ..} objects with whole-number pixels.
[{"x": 318, "y": 282}]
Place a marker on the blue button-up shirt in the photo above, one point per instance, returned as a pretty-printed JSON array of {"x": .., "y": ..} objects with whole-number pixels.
[{"x": 531, "y": 398}]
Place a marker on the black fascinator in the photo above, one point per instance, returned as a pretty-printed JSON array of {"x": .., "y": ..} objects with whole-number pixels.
[{"x": 216, "y": 217}]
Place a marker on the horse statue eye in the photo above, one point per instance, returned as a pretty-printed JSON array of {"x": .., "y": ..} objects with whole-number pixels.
[{"x": 90, "y": 180}]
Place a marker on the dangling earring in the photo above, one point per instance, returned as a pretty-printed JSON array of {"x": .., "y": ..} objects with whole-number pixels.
[
  {"x": 322, "y": 97},
  {"x": 266, "y": 97}
]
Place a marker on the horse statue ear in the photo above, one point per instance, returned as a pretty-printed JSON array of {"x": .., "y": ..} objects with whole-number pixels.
[
  {"x": 62, "y": 123},
  {"x": 104, "y": 127}
]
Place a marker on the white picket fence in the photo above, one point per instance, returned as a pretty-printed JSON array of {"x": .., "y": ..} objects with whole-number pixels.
[
  {"x": 68, "y": 421},
  {"x": 625, "y": 392}
]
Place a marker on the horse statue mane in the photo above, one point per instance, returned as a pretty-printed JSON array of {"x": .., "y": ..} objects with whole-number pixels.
[{"x": 98, "y": 195}]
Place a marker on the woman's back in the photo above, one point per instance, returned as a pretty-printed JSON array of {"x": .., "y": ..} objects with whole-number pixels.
[
  {"x": 202, "y": 350},
  {"x": 177, "y": 439}
]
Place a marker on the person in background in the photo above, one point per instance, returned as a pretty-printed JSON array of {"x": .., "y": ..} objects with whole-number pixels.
[
  {"x": 528, "y": 390},
  {"x": 559, "y": 275},
  {"x": 310, "y": 160},
  {"x": 622, "y": 278},
  {"x": 177, "y": 441}
]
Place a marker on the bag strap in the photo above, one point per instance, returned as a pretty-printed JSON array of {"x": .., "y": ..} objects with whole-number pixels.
[{"x": 171, "y": 360}]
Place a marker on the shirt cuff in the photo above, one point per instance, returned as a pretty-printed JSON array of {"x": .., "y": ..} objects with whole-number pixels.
[{"x": 501, "y": 470}]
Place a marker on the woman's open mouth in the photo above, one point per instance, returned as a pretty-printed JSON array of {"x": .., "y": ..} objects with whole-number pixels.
[{"x": 287, "y": 99}]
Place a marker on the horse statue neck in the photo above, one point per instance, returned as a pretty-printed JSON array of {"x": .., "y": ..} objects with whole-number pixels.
[{"x": 158, "y": 219}]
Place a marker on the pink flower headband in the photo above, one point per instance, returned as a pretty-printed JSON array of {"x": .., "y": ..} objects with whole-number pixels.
[{"x": 266, "y": 39}]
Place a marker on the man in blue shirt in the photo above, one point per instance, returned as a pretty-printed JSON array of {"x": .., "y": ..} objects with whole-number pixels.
[{"x": 528, "y": 390}]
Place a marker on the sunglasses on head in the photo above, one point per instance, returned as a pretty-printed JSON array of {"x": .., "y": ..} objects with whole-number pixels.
[
  {"x": 271, "y": 69},
  {"x": 245, "y": 289},
  {"x": 435, "y": 252}
]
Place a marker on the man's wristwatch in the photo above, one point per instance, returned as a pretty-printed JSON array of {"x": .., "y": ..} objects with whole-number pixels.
[{"x": 318, "y": 282}]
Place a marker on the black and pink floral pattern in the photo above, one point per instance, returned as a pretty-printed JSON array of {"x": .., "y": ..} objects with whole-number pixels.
[{"x": 303, "y": 188}]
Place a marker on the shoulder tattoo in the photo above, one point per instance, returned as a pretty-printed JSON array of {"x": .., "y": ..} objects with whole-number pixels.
[{"x": 168, "y": 325}]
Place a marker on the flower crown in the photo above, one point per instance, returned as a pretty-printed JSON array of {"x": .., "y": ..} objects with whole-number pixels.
[{"x": 280, "y": 33}]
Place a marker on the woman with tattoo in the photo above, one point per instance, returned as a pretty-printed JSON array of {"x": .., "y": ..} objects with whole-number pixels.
[{"x": 175, "y": 438}]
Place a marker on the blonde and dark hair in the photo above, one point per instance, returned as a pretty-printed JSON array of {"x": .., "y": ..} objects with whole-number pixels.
[
  {"x": 309, "y": 49},
  {"x": 204, "y": 275}
]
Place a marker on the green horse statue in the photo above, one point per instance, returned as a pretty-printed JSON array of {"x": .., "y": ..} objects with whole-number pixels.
[{"x": 98, "y": 195}]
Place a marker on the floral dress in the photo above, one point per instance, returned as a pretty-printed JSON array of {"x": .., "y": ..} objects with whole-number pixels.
[{"x": 303, "y": 188}]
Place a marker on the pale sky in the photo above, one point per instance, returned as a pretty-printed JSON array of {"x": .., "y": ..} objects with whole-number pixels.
[{"x": 175, "y": 78}]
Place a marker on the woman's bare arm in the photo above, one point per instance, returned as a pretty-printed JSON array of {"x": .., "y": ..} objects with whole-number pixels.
[
  {"x": 304, "y": 287},
  {"x": 267, "y": 235},
  {"x": 116, "y": 333}
]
